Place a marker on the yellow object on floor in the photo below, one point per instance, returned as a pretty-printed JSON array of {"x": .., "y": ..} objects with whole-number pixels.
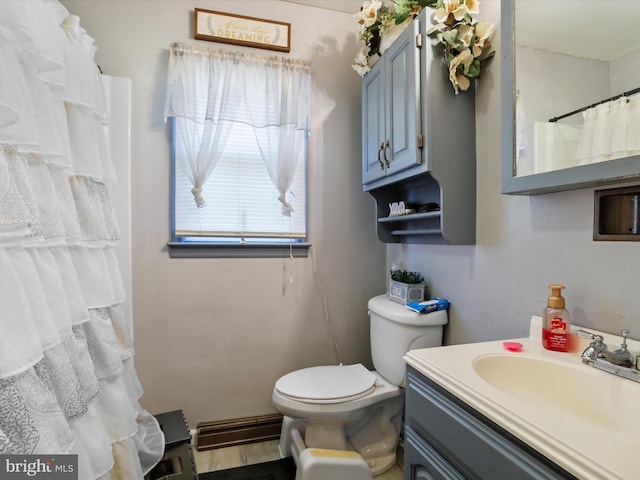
[{"x": 321, "y": 464}]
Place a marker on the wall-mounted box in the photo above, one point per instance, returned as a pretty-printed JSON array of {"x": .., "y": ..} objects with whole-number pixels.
[{"x": 617, "y": 214}]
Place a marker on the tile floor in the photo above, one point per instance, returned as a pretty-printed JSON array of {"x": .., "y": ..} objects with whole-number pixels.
[{"x": 222, "y": 458}]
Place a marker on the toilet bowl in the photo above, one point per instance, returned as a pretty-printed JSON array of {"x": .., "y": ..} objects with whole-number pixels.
[
  {"x": 346, "y": 408},
  {"x": 350, "y": 408}
]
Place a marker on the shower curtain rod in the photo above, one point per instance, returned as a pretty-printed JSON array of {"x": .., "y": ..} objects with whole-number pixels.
[{"x": 624, "y": 94}]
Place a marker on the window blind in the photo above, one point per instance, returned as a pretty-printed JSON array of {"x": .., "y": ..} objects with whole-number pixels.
[{"x": 241, "y": 201}]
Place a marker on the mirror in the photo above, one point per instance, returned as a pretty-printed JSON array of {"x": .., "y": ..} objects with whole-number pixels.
[{"x": 568, "y": 102}]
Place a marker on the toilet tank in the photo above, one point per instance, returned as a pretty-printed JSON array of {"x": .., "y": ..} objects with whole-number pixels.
[{"x": 395, "y": 330}]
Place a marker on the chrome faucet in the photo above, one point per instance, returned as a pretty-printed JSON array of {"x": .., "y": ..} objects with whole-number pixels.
[
  {"x": 619, "y": 362},
  {"x": 598, "y": 348}
]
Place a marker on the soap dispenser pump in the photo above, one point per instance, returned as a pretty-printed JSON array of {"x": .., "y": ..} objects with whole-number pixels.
[{"x": 556, "y": 321}]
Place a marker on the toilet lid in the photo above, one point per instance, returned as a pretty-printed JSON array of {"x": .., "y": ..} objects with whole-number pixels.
[{"x": 327, "y": 384}]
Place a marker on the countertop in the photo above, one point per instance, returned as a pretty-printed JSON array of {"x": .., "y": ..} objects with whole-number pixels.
[{"x": 606, "y": 447}]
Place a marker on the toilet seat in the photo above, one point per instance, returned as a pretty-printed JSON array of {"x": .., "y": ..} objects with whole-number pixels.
[{"x": 327, "y": 384}]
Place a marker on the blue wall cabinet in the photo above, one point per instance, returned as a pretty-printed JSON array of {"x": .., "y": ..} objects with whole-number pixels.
[
  {"x": 418, "y": 143},
  {"x": 391, "y": 120}
]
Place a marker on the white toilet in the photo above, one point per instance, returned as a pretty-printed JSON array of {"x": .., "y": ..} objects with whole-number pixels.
[{"x": 330, "y": 412}]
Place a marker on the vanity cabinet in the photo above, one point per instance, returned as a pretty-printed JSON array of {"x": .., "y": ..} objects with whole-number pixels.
[
  {"x": 418, "y": 143},
  {"x": 447, "y": 439}
]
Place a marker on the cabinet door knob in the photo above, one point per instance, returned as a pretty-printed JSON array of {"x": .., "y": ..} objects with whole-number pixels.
[
  {"x": 385, "y": 146},
  {"x": 380, "y": 161}
]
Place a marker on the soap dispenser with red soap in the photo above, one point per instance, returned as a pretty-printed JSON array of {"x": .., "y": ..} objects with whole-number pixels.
[{"x": 556, "y": 322}]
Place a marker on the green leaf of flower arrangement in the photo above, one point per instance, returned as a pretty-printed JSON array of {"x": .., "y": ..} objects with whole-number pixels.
[
  {"x": 474, "y": 69},
  {"x": 402, "y": 16},
  {"x": 439, "y": 27},
  {"x": 451, "y": 38}
]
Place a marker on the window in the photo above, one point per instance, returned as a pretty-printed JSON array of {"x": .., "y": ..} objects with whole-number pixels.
[
  {"x": 241, "y": 201},
  {"x": 240, "y": 131}
]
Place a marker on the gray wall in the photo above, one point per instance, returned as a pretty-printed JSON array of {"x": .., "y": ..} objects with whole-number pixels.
[
  {"x": 213, "y": 335},
  {"x": 625, "y": 73},
  {"x": 522, "y": 245}
]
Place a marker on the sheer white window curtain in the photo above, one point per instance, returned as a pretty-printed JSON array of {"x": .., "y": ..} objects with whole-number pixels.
[{"x": 208, "y": 90}]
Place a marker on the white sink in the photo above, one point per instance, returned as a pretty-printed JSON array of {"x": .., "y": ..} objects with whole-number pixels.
[
  {"x": 576, "y": 390},
  {"x": 581, "y": 418}
]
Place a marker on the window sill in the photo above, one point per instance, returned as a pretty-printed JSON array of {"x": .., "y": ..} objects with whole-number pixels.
[{"x": 212, "y": 250}]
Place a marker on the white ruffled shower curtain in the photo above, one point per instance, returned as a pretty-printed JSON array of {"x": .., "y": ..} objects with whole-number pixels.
[
  {"x": 610, "y": 130},
  {"x": 67, "y": 380}
]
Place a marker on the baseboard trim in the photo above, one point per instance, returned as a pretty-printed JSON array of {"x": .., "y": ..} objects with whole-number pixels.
[{"x": 238, "y": 431}]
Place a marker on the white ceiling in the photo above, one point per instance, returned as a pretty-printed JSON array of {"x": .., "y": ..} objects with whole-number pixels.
[
  {"x": 596, "y": 29},
  {"x": 346, "y": 6}
]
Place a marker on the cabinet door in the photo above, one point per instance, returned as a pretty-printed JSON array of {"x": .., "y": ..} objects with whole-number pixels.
[
  {"x": 423, "y": 462},
  {"x": 402, "y": 102},
  {"x": 373, "y": 123}
]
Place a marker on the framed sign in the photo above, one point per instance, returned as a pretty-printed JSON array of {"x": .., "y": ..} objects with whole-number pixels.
[{"x": 241, "y": 30}]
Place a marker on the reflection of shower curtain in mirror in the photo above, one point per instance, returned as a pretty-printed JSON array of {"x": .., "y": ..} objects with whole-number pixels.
[
  {"x": 610, "y": 130},
  {"x": 67, "y": 380},
  {"x": 555, "y": 145}
]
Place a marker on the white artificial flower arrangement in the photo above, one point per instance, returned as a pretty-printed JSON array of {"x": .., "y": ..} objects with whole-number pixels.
[{"x": 466, "y": 44}]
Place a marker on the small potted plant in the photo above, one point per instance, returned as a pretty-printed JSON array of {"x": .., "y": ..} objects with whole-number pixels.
[{"x": 406, "y": 286}]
